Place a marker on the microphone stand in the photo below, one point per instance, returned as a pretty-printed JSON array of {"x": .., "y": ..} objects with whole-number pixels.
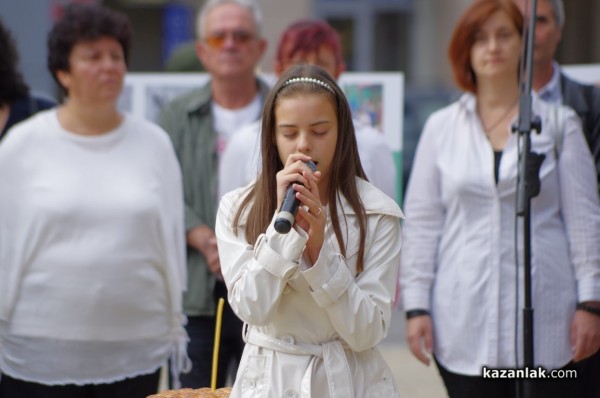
[{"x": 528, "y": 187}]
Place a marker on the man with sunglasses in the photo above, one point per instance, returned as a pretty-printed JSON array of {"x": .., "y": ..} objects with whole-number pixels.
[{"x": 200, "y": 124}]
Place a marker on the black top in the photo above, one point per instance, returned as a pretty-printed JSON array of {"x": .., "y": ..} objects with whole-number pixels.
[
  {"x": 497, "y": 157},
  {"x": 23, "y": 108}
]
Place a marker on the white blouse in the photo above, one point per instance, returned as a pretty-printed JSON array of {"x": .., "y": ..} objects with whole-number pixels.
[
  {"x": 458, "y": 259},
  {"x": 92, "y": 262}
]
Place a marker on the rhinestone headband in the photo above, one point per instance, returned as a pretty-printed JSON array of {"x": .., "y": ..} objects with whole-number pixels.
[{"x": 309, "y": 80}]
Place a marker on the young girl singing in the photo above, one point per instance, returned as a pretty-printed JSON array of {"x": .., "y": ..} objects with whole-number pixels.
[{"x": 317, "y": 300}]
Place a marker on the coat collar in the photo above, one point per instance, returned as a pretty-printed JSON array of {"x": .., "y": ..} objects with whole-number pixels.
[{"x": 374, "y": 201}]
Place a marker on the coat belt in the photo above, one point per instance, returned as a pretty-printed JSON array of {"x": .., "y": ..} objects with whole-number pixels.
[{"x": 339, "y": 377}]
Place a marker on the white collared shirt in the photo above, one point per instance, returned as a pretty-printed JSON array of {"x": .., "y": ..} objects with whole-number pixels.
[{"x": 458, "y": 258}]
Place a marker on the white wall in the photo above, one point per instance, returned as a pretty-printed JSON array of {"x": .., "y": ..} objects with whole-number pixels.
[{"x": 277, "y": 15}]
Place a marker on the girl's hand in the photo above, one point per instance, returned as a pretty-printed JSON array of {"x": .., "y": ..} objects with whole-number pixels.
[
  {"x": 311, "y": 215},
  {"x": 291, "y": 173}
]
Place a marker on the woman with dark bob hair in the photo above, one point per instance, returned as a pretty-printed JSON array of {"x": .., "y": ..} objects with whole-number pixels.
[
  {"x": 92, "y": 262},
  {"x": 461, "y": 283},
  {"x": 16, "y": 102}
]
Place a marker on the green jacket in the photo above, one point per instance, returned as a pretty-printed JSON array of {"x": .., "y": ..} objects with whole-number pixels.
[{"x": 189, "y": 122}]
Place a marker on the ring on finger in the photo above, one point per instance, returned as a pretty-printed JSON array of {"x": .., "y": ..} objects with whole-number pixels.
[{"x": 319, "y": 212}]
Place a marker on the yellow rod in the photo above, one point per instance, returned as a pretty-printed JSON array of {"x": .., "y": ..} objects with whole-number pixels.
[{"x": 213, "y": 382}]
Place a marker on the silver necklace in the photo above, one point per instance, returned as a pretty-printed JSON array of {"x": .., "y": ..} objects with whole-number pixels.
[{"x": 489, "y": 129}]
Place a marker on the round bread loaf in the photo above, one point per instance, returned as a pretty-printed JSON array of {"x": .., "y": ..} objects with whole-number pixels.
[{"x": 191, "y": 393}]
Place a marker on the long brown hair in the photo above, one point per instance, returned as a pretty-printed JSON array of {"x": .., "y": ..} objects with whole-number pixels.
[{"x": 345, "y": 167}]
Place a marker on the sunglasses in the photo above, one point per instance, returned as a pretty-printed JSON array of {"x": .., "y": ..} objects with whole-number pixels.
[{"x": 217, "y": 40}]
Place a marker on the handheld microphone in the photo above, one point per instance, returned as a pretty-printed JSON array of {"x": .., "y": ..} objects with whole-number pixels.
[{"x": 289, "y": 207}]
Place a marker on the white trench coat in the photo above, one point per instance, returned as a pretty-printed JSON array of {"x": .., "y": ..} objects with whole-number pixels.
[{"x": 312, "y": 332}]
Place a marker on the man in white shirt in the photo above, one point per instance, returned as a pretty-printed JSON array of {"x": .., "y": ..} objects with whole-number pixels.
[{"x": 311, "y": 42}]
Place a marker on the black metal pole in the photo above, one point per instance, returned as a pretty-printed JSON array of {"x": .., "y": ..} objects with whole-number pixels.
[{"x": 528, "y": 186}]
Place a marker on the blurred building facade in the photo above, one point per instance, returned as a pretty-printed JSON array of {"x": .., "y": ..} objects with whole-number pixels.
[{"x": 378, "y": 35}]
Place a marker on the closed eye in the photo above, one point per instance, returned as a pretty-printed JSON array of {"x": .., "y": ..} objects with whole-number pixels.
[{"x": 288, "y": 133}]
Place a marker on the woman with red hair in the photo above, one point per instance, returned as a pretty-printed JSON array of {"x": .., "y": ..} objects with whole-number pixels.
[{"x": 459, "y": 282}]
